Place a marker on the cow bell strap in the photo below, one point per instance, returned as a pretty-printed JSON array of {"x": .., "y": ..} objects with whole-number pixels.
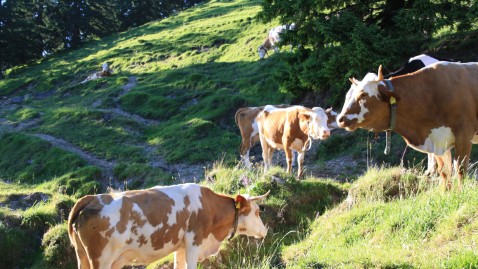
[
  {"x": 237, "y": 205},
  {"x": 393, "y": 115}
]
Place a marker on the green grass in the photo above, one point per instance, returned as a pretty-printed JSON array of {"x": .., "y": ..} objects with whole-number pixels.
[
  {"x": 193, "y": 71},
  {"x": 426, "y": 228}
]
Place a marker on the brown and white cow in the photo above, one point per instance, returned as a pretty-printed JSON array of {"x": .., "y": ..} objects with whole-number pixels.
[
  {"x": 246, "y": 122},
  {"x": 290, "y": 129},
  {"x": 436, "y": 110},
  {"x": 139, "y": 227},
  {"x": 273, "y": 38}
]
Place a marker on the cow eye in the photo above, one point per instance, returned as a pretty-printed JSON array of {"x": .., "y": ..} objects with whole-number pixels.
[{"x": 361, "y": 95}]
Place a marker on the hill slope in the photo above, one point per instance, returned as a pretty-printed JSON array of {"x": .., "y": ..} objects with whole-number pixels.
[
  {"x": 175, "y": 89},
  {"x": 165, "y": 115}
]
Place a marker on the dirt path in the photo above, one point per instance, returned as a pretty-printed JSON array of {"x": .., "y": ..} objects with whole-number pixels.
[{"x": 181, "y": 172}]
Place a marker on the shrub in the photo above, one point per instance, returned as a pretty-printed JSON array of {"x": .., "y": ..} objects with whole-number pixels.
[{"x": 57, "y": 248}]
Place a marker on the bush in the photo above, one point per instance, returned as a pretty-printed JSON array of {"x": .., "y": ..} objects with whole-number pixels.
[
  {"x": 58, "y": 251},
  {"x": 16, "y": 247}
]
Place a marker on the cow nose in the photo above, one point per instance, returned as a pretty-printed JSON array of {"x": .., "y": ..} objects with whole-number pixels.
[{"x": 341, "y": 120}]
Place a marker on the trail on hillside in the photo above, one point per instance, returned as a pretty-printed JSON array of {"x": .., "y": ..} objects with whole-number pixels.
[{"x": 181, "y": 172}]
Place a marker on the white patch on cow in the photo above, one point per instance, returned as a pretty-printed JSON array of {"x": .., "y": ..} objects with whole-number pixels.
[
  {"x": 209, "y": 246},
  {"x": 255, "y": 129},
  {"x": 111, "y": 211},
  {"x": 319, "y": 124},
  {"x": 426, "y": 60},
  {"x": 475, "y": 139},
  {"x": 251, "y": 225},
  {"x": 440, "y": 140},
  {"x": 178, "y": 193},
  {"x": 361, "y": 115}
]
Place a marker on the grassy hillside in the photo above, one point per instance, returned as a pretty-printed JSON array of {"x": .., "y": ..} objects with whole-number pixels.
[{"x": 167, "y": 116}]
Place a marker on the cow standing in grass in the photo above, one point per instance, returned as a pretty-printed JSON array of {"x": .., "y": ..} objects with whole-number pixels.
[
  {"x": 246, "y": 121},
  {"x": 139, "y": 227},
  {"x": 436, "y": 110},
  {"x": 289, "y": 129}
]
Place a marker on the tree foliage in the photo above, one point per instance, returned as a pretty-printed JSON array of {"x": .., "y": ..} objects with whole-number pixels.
[
  {"x": 341, "y": 39},
  {"x": 31, "y": 29}
]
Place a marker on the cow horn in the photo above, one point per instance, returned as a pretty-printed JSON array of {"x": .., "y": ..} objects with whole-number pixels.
[
  {"x": 354, "y": 81},
  {"x": 380, "y": 74},
  {"x": 260, "y": 198}
]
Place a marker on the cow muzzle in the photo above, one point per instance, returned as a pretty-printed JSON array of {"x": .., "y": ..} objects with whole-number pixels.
[
  {"x": 262, "y": 233},
  {"x": 344, "y": 122},
  {"x": 324, "y": 134}
]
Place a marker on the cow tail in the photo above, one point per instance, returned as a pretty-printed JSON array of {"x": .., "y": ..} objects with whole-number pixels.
[
  {"x": 75, "y": 211},
  {"x": 236, "y": 118}
]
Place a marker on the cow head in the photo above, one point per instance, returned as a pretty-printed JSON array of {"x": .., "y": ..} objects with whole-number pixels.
[
  {"x": 315, "y": 123},
  {"x": 367, "y": 104},
  {"x": 331, "y": 118},
  {"x": 262, "y": 51},
  {"x": 249, "y": 222}
]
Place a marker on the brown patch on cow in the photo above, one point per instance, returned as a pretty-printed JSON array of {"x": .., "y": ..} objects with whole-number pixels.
[
  {"x": 216, "y": 217},
  {"x": 242, "y": 229},
  {"x": 142, "y": 240},
  {"x": 106, "y": 199},
  {"x": 168, "y": 233},
  {"x": 245, "y": 117},
  {"x": 156, "y": 205},
  {"x": 125, "y": 211},
  {"x": 90, "y": 228}
]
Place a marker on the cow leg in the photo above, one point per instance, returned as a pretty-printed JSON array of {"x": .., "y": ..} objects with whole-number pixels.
[
  {"x": 300, "y": 162},
  {"x": 431, "y": 168},
  {"x": 288, "y": 157},
  {"x": 81, "y": 255},
  {"x": 245, "y": 160},
  {"x": 192, "y": 256},
  {"x": 462, "y": 152},
  {"x": 445, "y": 169},
  {"x": 270, "y": 154},
  {"x": 180, "y": 259},
  {"x": 265, "y": 152},
  {"x": 246, "y": 144}
]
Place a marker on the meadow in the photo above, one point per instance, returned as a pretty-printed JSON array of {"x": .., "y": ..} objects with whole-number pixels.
[{"x": 166, "y": 116}]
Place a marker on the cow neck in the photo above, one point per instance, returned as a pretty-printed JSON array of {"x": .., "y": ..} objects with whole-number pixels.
[
  {"x": 393, "y": 116},
  {"x": 264, "y": 48},
  {"x": 236, "y": 218}
]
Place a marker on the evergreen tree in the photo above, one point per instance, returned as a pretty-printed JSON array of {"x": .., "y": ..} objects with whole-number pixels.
[{"x": 341, "y": 39}]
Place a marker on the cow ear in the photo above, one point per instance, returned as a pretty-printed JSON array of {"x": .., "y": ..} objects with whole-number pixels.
[
  {"x": 387, "y": 96},
  {"x": 380, "y": 74},
  {"x": 304, "y": 116},
  {"x": 241, "y": 202}
]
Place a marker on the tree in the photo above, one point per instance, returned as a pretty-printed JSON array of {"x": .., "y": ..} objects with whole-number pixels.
[{"x": 341, "y": 39}]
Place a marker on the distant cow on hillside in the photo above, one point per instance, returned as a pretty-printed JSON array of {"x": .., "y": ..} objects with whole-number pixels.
[
  {"x": 273, "y": 38},
  {"x": 139, "y": 227}
]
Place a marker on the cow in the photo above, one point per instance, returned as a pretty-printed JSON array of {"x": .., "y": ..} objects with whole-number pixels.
[
  {"x": 273, "y": 38},
  {"x": 290, "y": 129},
  {"x": 414, "y": 64},
  {"x": 436, "y": 110},
  {"x": 138, "y": 227},
  {"x": 246, "y": 122},
  {"x": 106, "y": 71}
]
